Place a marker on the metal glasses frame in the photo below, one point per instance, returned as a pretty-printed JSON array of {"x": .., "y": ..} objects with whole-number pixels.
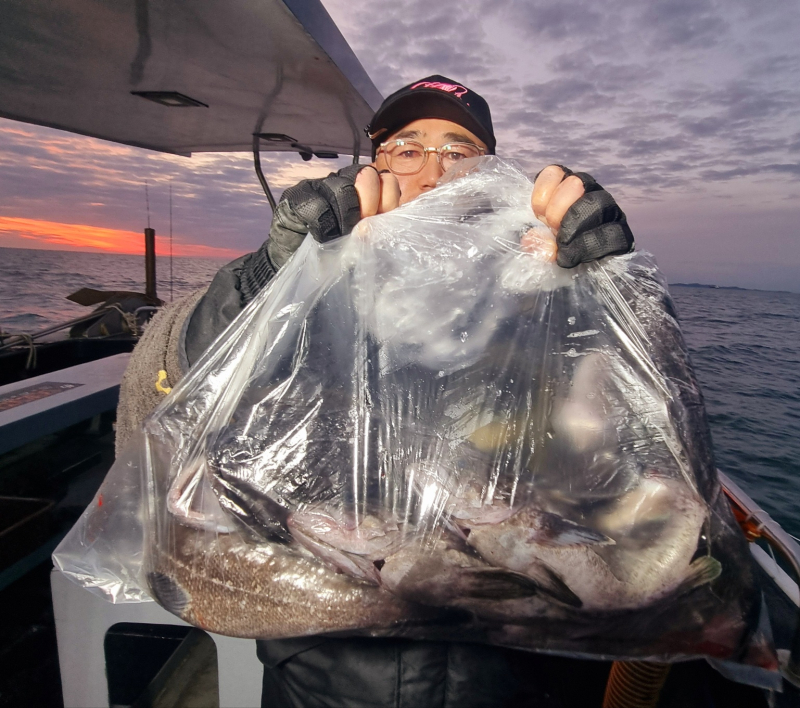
[{"x": 425, "y": 152}]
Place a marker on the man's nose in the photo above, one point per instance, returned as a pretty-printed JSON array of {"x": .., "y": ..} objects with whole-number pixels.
[{"x": 431, "y": 172}]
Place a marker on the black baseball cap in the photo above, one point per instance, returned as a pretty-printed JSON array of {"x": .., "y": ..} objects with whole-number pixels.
[{"x": 432, "y": 97}]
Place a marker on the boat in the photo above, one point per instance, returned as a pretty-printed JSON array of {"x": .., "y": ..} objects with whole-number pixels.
[
  {"x": 165, "y": 75},
  {"x": 179, "y": 78},
  {"x": 184, "y": 77}
]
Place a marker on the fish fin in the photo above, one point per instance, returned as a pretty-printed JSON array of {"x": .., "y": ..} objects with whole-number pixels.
[
  {"x": 701, "y": 571},
  {"x": 554, "y": 530},
  {"x": 169, "y": 593},
  {"x": 499, "y": 584},
  {"x": 355, "y": 566},
  {"x": 551, "y": 584}
]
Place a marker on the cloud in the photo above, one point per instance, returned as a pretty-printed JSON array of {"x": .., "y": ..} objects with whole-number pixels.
[
  {"x": 661, "y": 101},
  {"x": 33, "y": 233},
  {"x": 684, "y": 23},
  {"x": 55, "y": 176},
  {"x": 552, "y": 20},
  {"x": 791, "y": 169}
]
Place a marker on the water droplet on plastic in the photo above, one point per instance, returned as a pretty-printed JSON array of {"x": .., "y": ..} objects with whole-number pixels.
[
  {"x": 441, "y": 373},
  {"x": 464, "y": 336}
]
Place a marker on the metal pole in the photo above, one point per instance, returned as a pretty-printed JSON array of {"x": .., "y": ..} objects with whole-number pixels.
[
  {"x": 150, "y": 262},
  {"x": 260, "y": 173}
]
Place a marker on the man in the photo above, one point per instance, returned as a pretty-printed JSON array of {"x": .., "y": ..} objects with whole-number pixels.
[{"x": 417, "y": 134}]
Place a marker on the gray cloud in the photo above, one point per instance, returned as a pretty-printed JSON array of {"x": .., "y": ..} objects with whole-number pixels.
[
  {"x": 661, "y": 101},
  {"x": 49, "y": 175},
  {"x": 684, "y": 23},
  {"x": 552, "y": 20},
  {"x": 791, "y": 169}
]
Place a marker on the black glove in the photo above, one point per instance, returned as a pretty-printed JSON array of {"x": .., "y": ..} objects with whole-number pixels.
[
  {"x": 593, "y": 227},
  {"x": 327, "y": 208}
]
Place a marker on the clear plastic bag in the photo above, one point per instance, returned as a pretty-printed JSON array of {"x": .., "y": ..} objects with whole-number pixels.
[{"x": 428, "y": 429}]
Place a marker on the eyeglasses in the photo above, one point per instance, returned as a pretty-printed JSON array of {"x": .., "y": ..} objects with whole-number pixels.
[{"x": 407, "y": 157}]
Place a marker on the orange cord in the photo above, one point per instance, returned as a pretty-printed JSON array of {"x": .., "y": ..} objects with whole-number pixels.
[
  {"x": 750, "y": 527},
  {"x": 635, "y": 684}
]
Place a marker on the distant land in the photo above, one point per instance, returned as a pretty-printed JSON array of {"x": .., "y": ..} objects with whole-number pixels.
[
  {"x": 703, "y": 285},
  {"x": 726, "y": 287}
]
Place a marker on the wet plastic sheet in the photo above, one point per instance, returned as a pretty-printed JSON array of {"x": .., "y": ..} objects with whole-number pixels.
[{"x": 428, "y": 429}]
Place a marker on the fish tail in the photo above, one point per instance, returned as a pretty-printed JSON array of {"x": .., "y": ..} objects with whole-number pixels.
[{"x": 169, "y": 593}]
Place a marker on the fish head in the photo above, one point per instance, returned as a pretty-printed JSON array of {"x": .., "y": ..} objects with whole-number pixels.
[{"x": 643, "y": 514}]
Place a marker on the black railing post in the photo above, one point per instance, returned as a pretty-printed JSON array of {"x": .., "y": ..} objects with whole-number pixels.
[{"x": 150, "y": 263}]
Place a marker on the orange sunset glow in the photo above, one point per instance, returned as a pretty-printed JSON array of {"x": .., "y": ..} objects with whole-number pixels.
[{"x": 37, "y": 233}]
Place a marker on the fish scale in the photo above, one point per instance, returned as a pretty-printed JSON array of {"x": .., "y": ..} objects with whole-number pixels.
[{"x": 234, "y": 587}]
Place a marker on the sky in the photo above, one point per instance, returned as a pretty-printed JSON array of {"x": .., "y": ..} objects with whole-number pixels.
[{"x": 687, "y": 111}]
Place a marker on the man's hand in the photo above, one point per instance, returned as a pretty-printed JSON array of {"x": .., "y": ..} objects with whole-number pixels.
[
  {"x": 378, "y": 192},
  {"x": 328, "y": 208},
  {"x": 584, "y": 218}
]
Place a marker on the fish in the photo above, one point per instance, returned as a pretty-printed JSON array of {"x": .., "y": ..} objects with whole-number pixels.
[
  {"x": 449, "y": 574},
  {"x": 239, "y": 585},
  {"x": 586, "y": 502},
  {"x": 344, "y": 543},
  {"x": 595, "y": 442},
  {"x": 627, "y": 555}
]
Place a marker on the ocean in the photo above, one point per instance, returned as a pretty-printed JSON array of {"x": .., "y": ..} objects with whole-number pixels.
[
  {"x": 34, "y": 283},
  {"x": 745, "y": 345}
]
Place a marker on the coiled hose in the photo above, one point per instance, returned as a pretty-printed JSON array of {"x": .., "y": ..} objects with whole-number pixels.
[{"x": 634, "y": 684}]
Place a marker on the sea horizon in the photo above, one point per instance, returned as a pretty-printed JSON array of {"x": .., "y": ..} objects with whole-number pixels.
[
  {"x": 98, "y": 251},
  {"x": 744, "y": 343},
  {"x": 159, "y": 254}
]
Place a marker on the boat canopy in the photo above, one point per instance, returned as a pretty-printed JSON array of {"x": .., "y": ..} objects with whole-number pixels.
[{"x": 184, "y": 76}]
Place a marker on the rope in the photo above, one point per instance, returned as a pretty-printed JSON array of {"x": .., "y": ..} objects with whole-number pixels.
[
  {"x": 31, "y": 361},
  {"x": 128, "y": 318}
]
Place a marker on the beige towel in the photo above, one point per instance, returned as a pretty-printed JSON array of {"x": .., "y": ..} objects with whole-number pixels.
[{"x": 154, "y": 368}]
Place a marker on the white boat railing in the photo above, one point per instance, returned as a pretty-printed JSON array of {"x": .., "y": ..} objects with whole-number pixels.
[{"x": 758, "y": 524}]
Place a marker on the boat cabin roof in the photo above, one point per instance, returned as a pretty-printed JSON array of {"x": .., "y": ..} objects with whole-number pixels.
[{"x": 184, "y": 76}]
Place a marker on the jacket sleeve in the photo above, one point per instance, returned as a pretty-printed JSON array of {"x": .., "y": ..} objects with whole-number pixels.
[{"x": 180, "y": 333}]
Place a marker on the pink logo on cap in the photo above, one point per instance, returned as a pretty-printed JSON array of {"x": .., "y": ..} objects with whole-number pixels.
[{"x": 455, "y": 89}]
